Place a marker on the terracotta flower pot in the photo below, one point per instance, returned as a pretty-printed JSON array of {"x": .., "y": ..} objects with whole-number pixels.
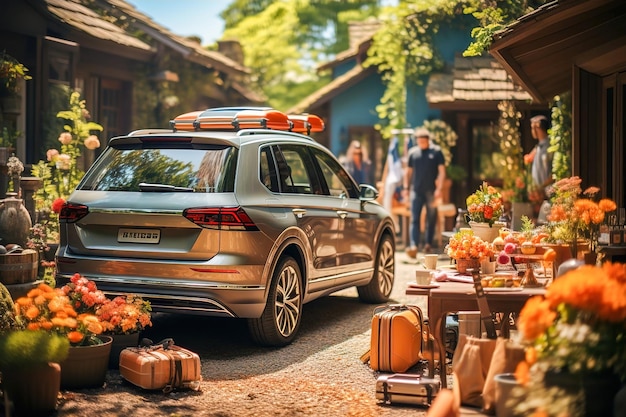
[
  {"x": 86, "y": 366},
  {"x": 486, "y": 232},
  {"x": 33, "y": 390}
]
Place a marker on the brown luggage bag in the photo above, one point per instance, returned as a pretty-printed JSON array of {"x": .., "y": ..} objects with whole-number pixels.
[
  {"x": 166, "y": 368},
  {"x": 397, "y": 339}
]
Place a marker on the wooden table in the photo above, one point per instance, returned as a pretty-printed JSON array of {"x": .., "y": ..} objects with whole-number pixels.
[{"x": 451, "y": 297}]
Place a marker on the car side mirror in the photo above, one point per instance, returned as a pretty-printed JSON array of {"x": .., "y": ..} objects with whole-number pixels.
[{"x": 367, "y": 192}]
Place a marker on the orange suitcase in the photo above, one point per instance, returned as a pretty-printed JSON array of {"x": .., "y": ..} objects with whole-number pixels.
[
  {"x": 262, "y": 119},
  {"x": 185, "y": 121},
  {"x": 396, "y": 340},
  {"x": 167, "y": 368},
  {"x": 306, "y": 123}
]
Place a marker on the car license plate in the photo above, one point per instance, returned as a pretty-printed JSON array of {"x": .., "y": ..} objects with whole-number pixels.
[{"x": 138, "y": 235}]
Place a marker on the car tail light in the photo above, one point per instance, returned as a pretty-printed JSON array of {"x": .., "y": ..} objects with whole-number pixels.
[
  {"x": 71, "y": 213},
  {"x": 221, "y": 218}
]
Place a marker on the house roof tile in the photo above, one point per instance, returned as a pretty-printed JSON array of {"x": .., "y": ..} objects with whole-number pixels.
[
  {"x": 473, "y": 79},
  {"x": 86, "y": 20}
]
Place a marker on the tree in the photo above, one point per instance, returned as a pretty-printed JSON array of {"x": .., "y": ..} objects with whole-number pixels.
[{"x": 283, "y": 40}]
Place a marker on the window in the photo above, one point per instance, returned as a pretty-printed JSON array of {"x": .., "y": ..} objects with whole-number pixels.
[
  {"x": 335, "y": 176},
  {"x": 208, "y": 170}
]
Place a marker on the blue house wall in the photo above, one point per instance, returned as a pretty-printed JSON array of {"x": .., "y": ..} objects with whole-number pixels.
[{"x": 356, "y": 106}]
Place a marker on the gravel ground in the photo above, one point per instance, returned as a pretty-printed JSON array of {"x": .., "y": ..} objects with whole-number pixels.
[{"x": 320, "y": 374}]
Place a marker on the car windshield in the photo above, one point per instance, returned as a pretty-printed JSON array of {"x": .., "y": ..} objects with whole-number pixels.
[{"x": 204, "y": 170}]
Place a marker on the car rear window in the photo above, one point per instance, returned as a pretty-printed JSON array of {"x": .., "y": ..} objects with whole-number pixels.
[{"x": 205, "y": 170}]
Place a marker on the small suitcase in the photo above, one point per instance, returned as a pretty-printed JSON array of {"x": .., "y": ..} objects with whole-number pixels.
[
  {"x": 306, "y": 123},
  {"x": 186, "y": 121},
  {"x": 407, "y": 389},
  {"x": 396, "y": 341},
  {"x": 165, "y": 368}
]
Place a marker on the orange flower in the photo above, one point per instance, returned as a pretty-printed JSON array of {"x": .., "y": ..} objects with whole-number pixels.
[
  {"x": 57, "y": 205},
  {"x": 607, "y": 205},
  {"x": 535, "y": 318},
  {"x": 32, "y": 312},
  {"x": 75, "y": 337},
  {"x": 522, "y": 373}
]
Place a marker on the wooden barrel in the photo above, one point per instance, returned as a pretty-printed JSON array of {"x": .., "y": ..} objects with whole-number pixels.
[{"x": 19, "y": 268}]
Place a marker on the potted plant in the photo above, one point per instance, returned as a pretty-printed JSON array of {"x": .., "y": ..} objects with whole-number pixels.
[
  {"x": 51, "y": 309},
  {"x": 484, "y": 208},
  {"x": 122, "y": 318},
  {"x": 468, "y": 250},
  {"x": 11, "y": 71},
  {"x": 575, "y": 339},
  {"x": 575, "y": 215},
  {"x": 29, "y": 359}
]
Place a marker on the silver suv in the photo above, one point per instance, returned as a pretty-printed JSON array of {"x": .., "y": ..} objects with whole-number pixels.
[{"x": 247, "y": 223}]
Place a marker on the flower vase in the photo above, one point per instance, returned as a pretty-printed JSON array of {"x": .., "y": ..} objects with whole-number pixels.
[
  {"x": 33, "y": 390},
  {"x": 121, "y": 342},
  {"x": 462, "y": 265},
  {"x": 563, "y": 253},
  {"x": 597, "y": 390},
  {"x": 86, "y": 366},
  {"x": 484, "y": 231}
]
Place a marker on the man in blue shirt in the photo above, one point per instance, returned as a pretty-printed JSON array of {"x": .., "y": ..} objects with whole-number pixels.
[{"x": 423, "y": 180}]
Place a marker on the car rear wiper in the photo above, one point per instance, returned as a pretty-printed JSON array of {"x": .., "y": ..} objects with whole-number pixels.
[{"x": 143, "y": 186}]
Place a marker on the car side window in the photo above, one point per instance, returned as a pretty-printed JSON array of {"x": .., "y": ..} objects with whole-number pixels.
[
  {"x": 267, "y": 170},
  {"x": 295, "y": 170},
  {"x": 336, "y": 178}
]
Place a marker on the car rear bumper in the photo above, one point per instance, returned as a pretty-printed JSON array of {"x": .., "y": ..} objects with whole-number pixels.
[{"x": 221, "y": 294}]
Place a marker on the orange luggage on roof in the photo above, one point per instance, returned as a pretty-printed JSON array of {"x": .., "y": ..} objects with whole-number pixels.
[
  {"x": 306, "y": 123},
  {"x": 265, "y": 119},
  {"x": 237, "y": 118},
  {"x": 185, "y": 121}
]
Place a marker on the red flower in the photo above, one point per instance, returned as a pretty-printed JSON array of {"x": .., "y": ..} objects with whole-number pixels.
[{"x": 57, "y": 205}]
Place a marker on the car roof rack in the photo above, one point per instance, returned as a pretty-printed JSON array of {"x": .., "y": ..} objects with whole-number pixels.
[{"x": 239, "y": 118}]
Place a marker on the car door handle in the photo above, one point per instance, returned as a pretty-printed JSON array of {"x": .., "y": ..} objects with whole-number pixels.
[
  {"x": 342, "y": 213},
  {"x": 299, "y": 212}
]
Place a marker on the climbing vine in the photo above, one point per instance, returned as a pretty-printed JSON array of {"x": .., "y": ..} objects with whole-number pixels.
[
  {"x": 561, "y": 136},
  {"x": 404, "y": 53}
]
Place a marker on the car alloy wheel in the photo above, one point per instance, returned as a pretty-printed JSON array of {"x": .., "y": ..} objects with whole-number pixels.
[
  {"x": 281, "y": 318},
  {"x": 379, "y": 288}
]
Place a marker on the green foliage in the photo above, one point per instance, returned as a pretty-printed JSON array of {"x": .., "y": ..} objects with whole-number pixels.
[
  {"x": 515, "y": 176},
  {"x": 270, "y": 49},
  {"x": 60, "y": 174},
  {"x": 8, "y": 320},
  {"x": 527, "y": 227},
  {"x": 11, "y": 71},
  {"x": 283, "y": 39},
  {"x": 23, "y": 348},
  {"x": 443, "y": 136},
  {"x": 561, "y": 136},
  {"x": 8, "y": 137},
  {"x": 404, "y": 53},
  {"x": 456, "y": 172},
  {"x": 493, "y": 18}
]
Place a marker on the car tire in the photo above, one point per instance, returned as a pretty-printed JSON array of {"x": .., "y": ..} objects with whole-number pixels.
[
  {"x": 379, "y": 288},
  {"x": 282, "y": 315}
]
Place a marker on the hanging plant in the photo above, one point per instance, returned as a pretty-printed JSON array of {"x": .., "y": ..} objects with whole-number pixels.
[{"x": 11, "y": 71}]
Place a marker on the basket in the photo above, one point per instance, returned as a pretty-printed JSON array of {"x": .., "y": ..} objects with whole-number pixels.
[
  {"x": 19, "y": 268},
  {"x": 462, "y": 265}
]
